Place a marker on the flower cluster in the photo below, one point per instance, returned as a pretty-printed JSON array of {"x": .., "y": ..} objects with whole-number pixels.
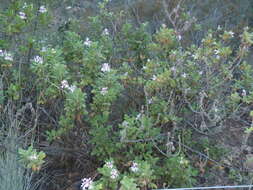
[
  {"x": 65, "y": 85},
  {"x": 154, "y": 77},
  {"x": 86, "y": 183},
  {"x": 22, "y": 15},
  {"x": 134, "y": 167},
  {"x": 105, "y": 32},
  {"x": 106, "y": 67},
  {"x": 42, "y": 9},
  {"x": 109, "y": 164},
  {"x": 87, "y": 42},
  {"x": 114, "y": 172},
  {"x": 231, "y": 33},
  {"x": 37, "y": 59},
  {"x": 104, "y": 91},
  {"x": 7, "y": 56}
]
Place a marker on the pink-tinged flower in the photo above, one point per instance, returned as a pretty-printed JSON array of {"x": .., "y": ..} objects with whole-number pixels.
[
  {"x": 134, "y": 167},
  {"x": 114, "y": 173},
  {"x": 86, "y": 184},
  {"x": 105, "y": 67},
  {"x": 109, "y": 164},
  {"x": 64, "y": 84},
  {"x": 22, "y": 15},
  {"x": 42, "y": 9}
]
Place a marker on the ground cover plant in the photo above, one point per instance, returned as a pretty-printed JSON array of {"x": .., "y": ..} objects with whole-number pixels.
[{"x": 114, "y": 105}]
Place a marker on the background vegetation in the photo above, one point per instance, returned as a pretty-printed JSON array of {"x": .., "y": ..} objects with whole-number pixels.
[{"x": 125, "y": 94}]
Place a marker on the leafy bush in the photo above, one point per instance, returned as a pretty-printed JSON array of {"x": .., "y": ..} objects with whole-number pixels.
[{"x": 130, "y": 92}]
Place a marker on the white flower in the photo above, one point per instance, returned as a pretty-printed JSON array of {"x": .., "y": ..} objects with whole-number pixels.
[
  {"x": 154, "y": 77},
  {"x": 105, "y": 32},
  {"x": 86, "y": 183},
  {"x": 150, "y": 101},
  {"x": 164, "y": 25},
  {"x": 219, "y": 27},
  {"x": 173, "y": 69},
  {"x": 148, "y": 60},
  {"x": 105, "y": 67},
  {"x": 72, "y": 88},
  {"x": 104, "y": 91},
  {"x": 138, "y": 116},
  {"x": 231, "y": 33},
  {"x": 42, "y": 9},
  {"x": 144, "y": 67},
  {"x": 38, "y": 59},
  {"x": 216, "y": 51},
  {"x": 8, "y": 56},
  {"x": 244, "y": 93},
  {"x": 87, "y": 42},
  {"x": 184, "y": 75},
  {"x": 33, "y": 157},
  {"x": 179, "y": 37},
  {"x": 109, "y": 164},
  {"x": 134, "y": 167},
  {"x": 22, "y": 15},
  {"x": 200, "y": 72},
  {"x": 114, "y": 173},
  {"x": 64, "y": 84},
  {"x": 69, "y": 7}
]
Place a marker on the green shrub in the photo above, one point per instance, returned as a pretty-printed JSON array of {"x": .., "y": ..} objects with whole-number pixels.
[{"x": 128, "y": 92}]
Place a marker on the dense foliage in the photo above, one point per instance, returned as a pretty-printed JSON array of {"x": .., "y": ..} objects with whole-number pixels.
[{"x": 134, "y": 109}]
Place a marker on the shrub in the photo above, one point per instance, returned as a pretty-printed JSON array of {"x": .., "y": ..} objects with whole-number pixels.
[{"x": 123, "y": 92}]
